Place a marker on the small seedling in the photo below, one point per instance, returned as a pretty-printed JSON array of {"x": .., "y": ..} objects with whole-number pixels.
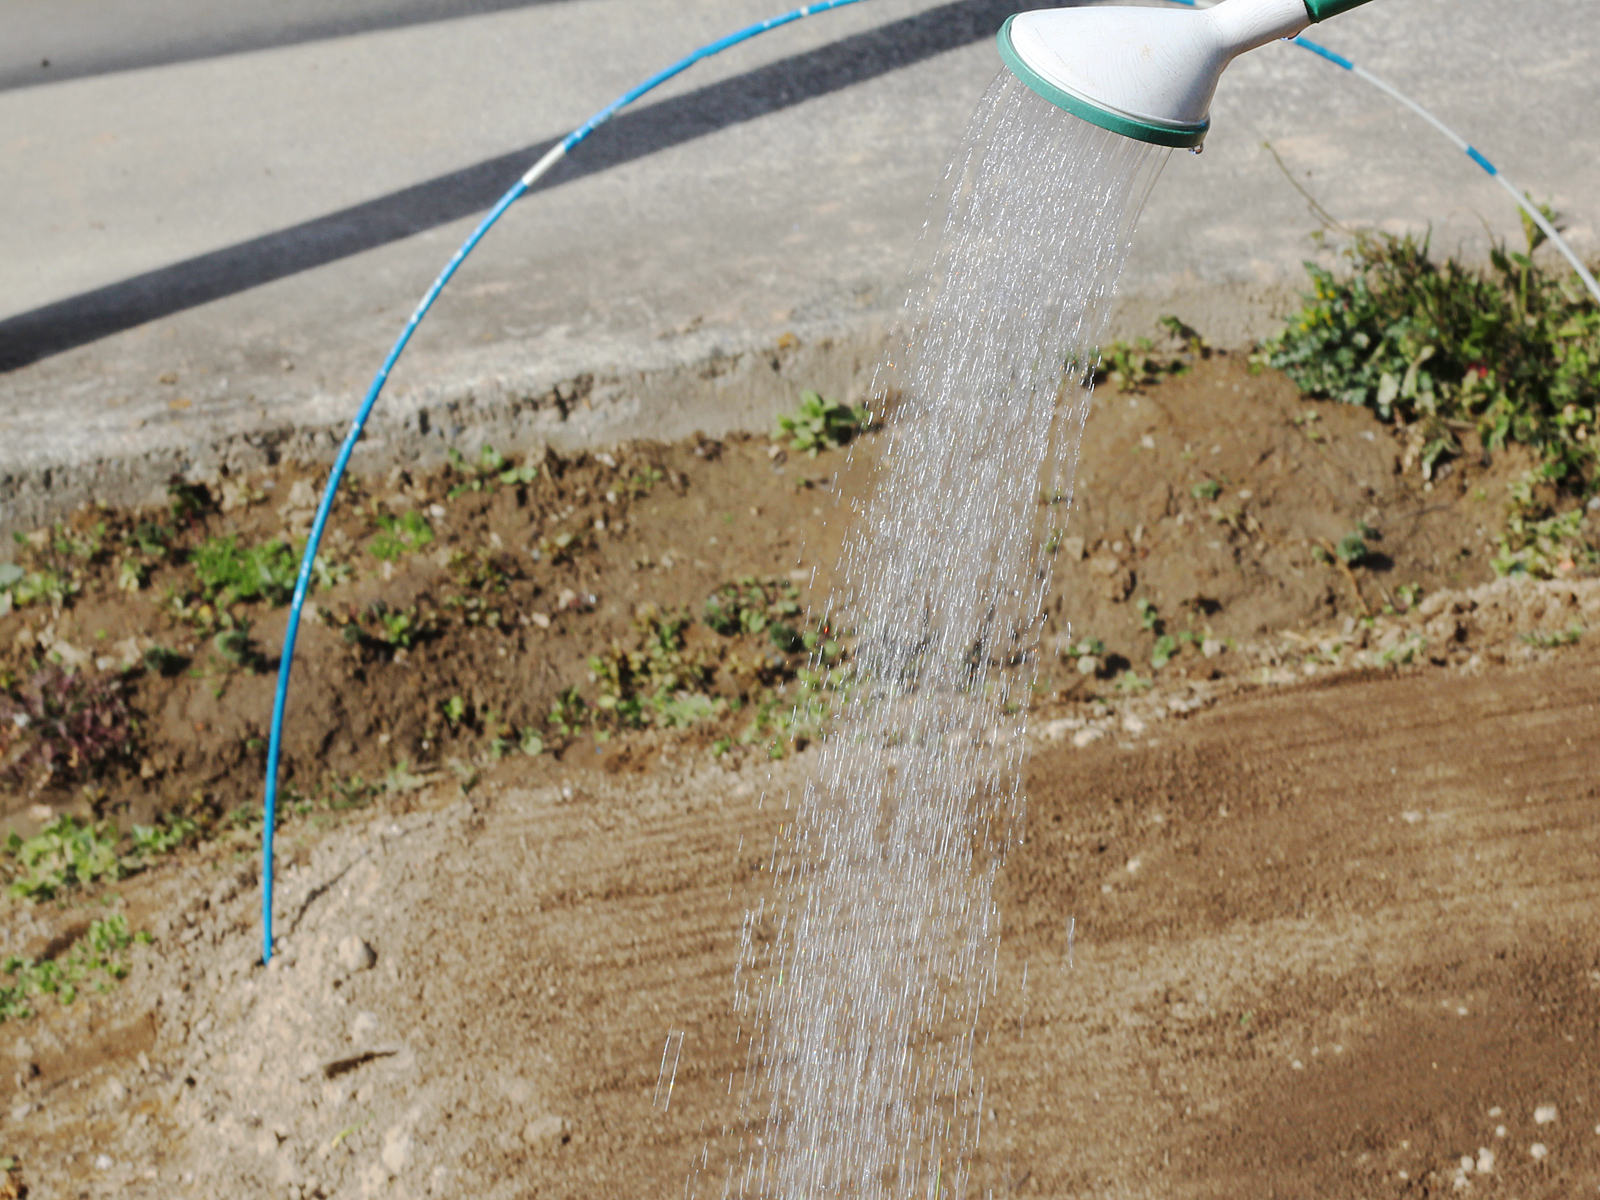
[
  {"x": 491, "y": 468},
  {"x": 1137, "y": 364},
  {"x": 149, "y": 841},
  {"x": 454, "y": 710},
  {"x": 101, "y": 951},
  {"x": 820, "y": 424},
  {"x": 229, "y": 572},
  {"x": 1162, "y": 653},
  {"x": 1149, "y": 618},
  {"x": 400, "y": 536},
  {"x": 187, "y": 501},
  {"x": 239, "y": 649},
  {"x": 1570, "y": 636},
  {"x": 20, "y": 588},
  {"x": 1206, "y": 489},
  {"x": 67, "y": 853},
  {"x": 1351, "y": 550},
  {"x": 402, "y": 779}
]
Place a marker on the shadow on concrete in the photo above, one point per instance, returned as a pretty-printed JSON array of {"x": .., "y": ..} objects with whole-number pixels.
[
  {"x": 89, "y": 316},
  {"x": 83, "y": 38}
]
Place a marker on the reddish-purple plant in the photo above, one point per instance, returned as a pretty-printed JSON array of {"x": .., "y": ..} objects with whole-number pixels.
[{"x": 58, "y": 727}]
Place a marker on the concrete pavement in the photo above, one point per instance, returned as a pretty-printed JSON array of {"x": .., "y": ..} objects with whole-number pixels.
[{"x": 212, "y": 239}]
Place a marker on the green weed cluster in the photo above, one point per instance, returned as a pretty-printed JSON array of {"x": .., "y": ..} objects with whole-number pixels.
[
  {"x": 72, "y": 853},
  {"x": 820, "y": 424},
  {"x": 229, "y": 572},
  {"x": 491, "y": 468},
  {"x": 1513, "y": 352},
  {"x": 101, "y": 952},
  {"x": 670, "y": 680}
]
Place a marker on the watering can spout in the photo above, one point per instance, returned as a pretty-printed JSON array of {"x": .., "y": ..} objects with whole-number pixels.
[{"x": 1146, "y": 73}]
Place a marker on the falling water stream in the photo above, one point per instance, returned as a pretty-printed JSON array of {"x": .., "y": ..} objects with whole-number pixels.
[{"x": 867, "y": 998}]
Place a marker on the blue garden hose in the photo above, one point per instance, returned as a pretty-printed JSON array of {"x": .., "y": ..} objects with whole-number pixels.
[
  {"x": 341, "y": 462},
  {"x": 302, "y": 583}
]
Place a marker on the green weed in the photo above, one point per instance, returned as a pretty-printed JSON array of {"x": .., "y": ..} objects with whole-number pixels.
[
  {"x": 819, "y": 424},
  {"x": 400, "y": 536},
  {"x": 1569, "y": 636},
  {"x": 658, "y": 682},
  {"x": 1166, "y": 646},
  {"x": 1136, "y": 364},
  {"x": 229, "y": 572},
  {"x": 491, "y": 468},
  {"x": 20, "y": 588},
  {"x": 383, "y": 629},
  {"x": 102, "y": 952},
  {"x": 1513, "y": 352}
]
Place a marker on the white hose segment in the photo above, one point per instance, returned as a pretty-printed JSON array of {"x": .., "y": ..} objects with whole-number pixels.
[
  {"x": 554, "y": 155},
  {"x": 1527, "y": 206}
]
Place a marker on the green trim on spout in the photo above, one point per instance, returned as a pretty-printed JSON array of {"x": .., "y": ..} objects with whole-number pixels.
[
  {"x": 1180, "y": 136},
  {"x": 1321, "y": 10}
]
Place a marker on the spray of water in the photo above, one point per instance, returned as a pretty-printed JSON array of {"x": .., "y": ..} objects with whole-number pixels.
[{"x": 880, "y": 950}]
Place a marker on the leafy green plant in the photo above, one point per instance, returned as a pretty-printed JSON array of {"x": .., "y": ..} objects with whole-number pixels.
[
  {"x": 1513, "y": 352},
  {"x": 84, "y": 545},
  {"x": 66, "y": 853},
  {"x": 188, "y": 501},
  {"x": 1541, "y": 548},
  {"x": 1149, "y": 618},
  {"x": 658, "y": 682},
  {"x": 151, "y": 841},
  {"x": 491, "y": 468},
  {"x": 569, "y": 713},
  {"x": 1352, "y": 549},
  {"x": 1162, "y": 652},
  {"x": 102, "y": 952},
  {"x": 1569, "y": 636},
  {"x": 753, "y": 605},
  {"x": 819, "y": 424},
  {"x": 20, "y": 588},
  {"x": 238, "y": 648},
  {"x": 1136, "y": 364},
  {"x": 229, "y": 572},
  {"x": 383, "y": 629},
  {"x": 63, "y": 726},
  {"x": 481, "y": 570},
  {"x": 400, "y": 536},
  {"x": 641, "y": 483},
  {"x": 1206, "y": 489},
  {"x": 159, "y": 660},
  {"x": 454, "y": 709},
  {"x": 150, "y": 538}
]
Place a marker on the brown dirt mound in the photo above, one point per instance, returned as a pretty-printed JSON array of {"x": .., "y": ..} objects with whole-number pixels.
[{"x": 1329, "y": 876}]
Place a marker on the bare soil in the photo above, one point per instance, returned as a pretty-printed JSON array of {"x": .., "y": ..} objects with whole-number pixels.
[{"x": 1330, "y": 880}]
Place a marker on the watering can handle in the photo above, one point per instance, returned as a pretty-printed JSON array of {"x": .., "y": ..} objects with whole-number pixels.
[{"x": 1321, "y": 10}]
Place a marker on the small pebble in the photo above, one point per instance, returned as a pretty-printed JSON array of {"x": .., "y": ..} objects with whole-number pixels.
[
  {"x": 1499, "y": 1131},
  {"x": 355, "y": 955},
  {"x": 1539, "y": 1151},
  {"x": 1544, "y": 1114},
  {"x": 1485, "y": 1160},
  {"x": 102, "y": 1162}
]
